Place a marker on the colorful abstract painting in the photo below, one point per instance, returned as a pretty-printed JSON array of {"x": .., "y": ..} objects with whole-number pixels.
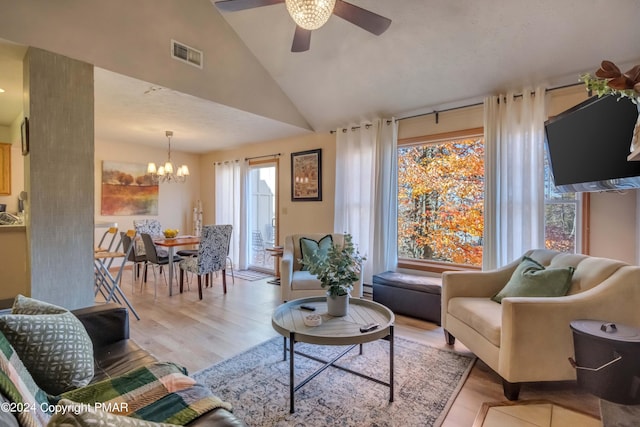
[{"x": 128, "y": 190}]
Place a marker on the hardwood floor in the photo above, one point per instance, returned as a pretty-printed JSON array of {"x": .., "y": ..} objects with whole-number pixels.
[{"x": 198, "y": 333}]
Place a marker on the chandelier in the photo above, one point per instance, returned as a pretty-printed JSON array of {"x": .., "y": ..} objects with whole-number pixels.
[
  {"x": 165, "y": 173},
  {"x": 310, "y": 14}
]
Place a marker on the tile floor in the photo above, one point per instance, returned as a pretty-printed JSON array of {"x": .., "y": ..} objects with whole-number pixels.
[{"x": 532, "y": 414}]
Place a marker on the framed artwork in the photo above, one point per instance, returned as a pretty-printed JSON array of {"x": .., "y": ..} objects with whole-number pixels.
[
  {"x": 306, "y": 175},
  {"x": 24, "y": 136},
  {"x": 128, "y": 190}
]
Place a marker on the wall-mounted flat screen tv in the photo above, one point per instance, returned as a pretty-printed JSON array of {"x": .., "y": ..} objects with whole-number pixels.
[{"x": 588, "y": 146}]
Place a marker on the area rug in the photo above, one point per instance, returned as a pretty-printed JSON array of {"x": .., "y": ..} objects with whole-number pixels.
[
  {"x": 256, "y": 383},
  {"x": 250, "y": 275}
]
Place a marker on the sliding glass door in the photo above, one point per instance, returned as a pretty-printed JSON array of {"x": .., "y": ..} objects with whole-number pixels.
[{"x": 262, "y": 214}]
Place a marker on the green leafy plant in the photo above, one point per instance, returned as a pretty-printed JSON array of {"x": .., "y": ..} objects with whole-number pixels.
[
  {"x": 609, "y": 80},
  {"x": 339, "y": 269}
]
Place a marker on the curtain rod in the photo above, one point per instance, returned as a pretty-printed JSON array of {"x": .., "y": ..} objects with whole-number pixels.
[
  {"x": 367, "y": 126},
  {"x": 436, "y": 112},
  {"x": 224, "y": 162},
  {"x": 262, "y": 157}
]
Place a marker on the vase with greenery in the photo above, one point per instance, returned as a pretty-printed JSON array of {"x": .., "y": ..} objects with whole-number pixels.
[
  {"x": 337, "y": 271},
  {"x": 609, "y": 80}
]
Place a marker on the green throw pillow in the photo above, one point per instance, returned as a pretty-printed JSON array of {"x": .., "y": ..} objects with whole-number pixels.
[
  {"x": 309, "y": 246},
  {"x": 54, "y": 346},
  {"x": 531, "y": 279}
]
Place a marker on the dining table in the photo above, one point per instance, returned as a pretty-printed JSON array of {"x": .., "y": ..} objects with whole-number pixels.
[{"x": 171, "y": 244}]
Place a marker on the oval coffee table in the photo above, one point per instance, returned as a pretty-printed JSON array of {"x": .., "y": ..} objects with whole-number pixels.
[{"x": 288, "y": 321}]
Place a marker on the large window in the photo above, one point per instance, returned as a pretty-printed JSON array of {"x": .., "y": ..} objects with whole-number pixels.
[
  {"x": 563, "y": 225},
  {"x": 440, "y": 198}
]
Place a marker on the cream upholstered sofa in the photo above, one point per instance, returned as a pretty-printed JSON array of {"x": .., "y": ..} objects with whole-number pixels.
[
  {"x": 528, "y": 339},
  {"x": 296, "y": 283}
]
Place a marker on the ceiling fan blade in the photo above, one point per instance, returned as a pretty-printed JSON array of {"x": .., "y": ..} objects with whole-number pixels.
[
  {"x": 363, "y": 18},
  {"x": 236, "y": 5},
  {"x": 301, "y": 40}
]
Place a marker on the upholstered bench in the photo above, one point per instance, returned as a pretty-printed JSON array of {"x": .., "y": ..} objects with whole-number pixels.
[{"x": 409, "y": 295}]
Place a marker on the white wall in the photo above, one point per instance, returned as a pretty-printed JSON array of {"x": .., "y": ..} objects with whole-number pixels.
[{"x": 613, "y": 225}]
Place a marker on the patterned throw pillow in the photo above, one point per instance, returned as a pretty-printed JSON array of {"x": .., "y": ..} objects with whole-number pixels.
[
  {"x": 309, "y": 246},
  {"x": 26, "y": 305},
  {"x": 54, "y": 345},
  {"x": 83, "y": 415}
]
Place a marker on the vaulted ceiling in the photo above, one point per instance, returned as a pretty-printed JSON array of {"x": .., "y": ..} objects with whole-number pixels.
[{"x": 252, "y": 88}]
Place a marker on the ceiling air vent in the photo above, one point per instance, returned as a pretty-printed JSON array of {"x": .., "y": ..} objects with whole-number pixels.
[{"x": 184, "y": 53}]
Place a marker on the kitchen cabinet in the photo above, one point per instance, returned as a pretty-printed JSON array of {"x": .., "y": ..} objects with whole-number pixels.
[
  {"x": 5, "y": 172},
  {"x": 14, "y": 274}
]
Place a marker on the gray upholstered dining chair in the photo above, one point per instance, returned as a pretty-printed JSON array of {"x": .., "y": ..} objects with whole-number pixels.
[
  {"x": 212, "y": 256},
  {"x": 155, "y": 260},
  {"x": 138, "y": 260}
]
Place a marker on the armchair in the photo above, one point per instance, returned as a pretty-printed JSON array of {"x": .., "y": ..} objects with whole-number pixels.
[
  {"x": 296, "y": 283},
  {"x": 527, "y": 339}
]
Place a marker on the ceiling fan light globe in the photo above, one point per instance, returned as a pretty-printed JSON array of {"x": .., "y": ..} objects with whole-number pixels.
[{"x": 310, "y": 14}]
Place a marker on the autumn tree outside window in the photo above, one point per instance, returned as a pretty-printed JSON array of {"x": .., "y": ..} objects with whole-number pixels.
[
  {"x": 441, "y": 204},
  {"x": 441, "y": 198}
]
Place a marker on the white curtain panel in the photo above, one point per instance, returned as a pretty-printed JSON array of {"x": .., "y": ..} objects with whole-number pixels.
[
  {"x": 365, "y": 167},
  {"x": 230, "y": 203},
  {"x": 384, "y": 255},
  {"x": 514, "y": 176}
]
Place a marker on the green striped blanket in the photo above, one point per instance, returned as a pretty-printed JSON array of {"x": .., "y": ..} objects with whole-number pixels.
[{"x": 160, "y": 392}]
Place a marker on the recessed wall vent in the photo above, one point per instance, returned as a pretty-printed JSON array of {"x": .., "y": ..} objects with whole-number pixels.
[{"x": 184, "y": 53}]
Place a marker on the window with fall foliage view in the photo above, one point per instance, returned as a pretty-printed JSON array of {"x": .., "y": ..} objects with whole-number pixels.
[{"x": 440, "y": 199}]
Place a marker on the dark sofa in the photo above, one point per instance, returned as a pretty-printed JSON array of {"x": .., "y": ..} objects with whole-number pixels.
[{"x": 115, "y": 353}]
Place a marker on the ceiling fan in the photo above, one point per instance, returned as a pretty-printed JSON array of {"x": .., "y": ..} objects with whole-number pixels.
[{"x": 312, "y": 14}]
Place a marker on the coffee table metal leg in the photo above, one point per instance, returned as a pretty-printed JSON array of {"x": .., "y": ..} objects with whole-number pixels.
[
  {"x": 284, "y": 348},
  {"x": 391, "y": 363},
  {"x": 291, "y": 373}
]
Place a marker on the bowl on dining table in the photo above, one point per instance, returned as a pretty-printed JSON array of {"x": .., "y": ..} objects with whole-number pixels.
[{"x": 170, "y": 233}]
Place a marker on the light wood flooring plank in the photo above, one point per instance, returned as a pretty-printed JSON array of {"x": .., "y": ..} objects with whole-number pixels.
[{"x": 197, "y": 334}]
